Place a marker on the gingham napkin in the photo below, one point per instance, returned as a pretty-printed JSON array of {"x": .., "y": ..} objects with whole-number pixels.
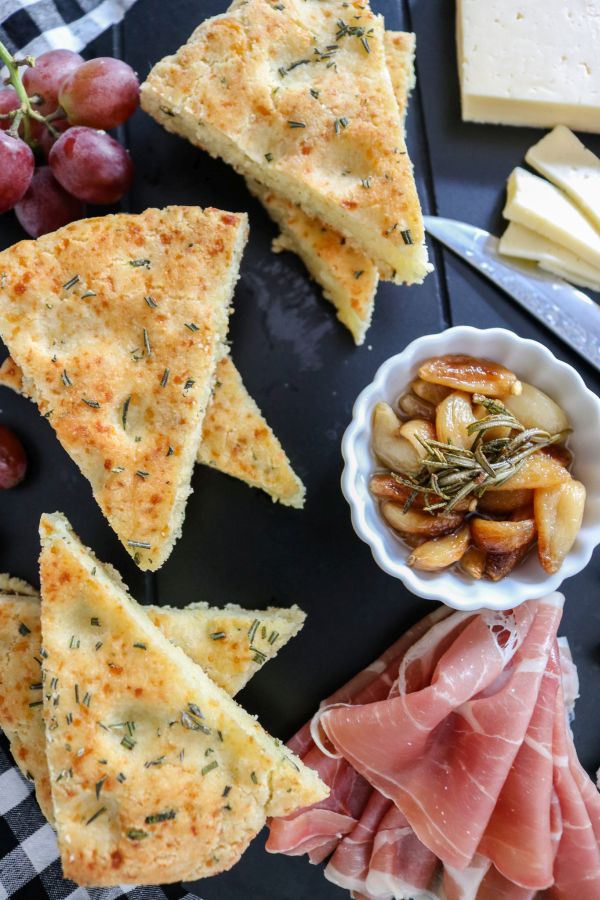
[{"x": 29, "y": 859}]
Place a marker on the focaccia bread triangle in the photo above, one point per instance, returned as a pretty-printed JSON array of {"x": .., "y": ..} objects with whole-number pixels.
[
  {"x": 157, "y": 775},
  {"x": 236, "y": 439},
  {"x": 349, "y": 278},
  {"x": 231, "y": 645},
  {"x": 118, "y": 322},
  {"x": 298, "y": 96}
]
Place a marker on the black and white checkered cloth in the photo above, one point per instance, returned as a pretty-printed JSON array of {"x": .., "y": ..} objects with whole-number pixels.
[
  {"x": 33, "y": 26},
  {"x": 29, "y": 860}
]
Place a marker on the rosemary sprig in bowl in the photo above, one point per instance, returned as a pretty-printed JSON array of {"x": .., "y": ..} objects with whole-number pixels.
[{"x": 451, "y": 474}]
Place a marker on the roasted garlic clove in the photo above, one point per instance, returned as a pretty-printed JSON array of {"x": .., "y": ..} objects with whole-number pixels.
[
  {"x": 558, "y": 514},
  {"x": 473, "y": 563},
  {"x": 415, "y": 429},
  {"x": 389, "y": 446},
  {"x": 540, "y": 471},
  {"x": 415, "y": 408},
  {"x": 467, "y": 373},
  {"x": 415, "y": 521},
  {"x": 497, "y": 503},
  {"x": 441, "y": 552},
  {"x": 499, "y": 565},
  {"x": 501, "y": 537},
  {"x": 452, "y": 419},
  {"x": 432, "y": 393},
  {"x": 490, "y": 434},
  {"x": 535, "y": 409}
]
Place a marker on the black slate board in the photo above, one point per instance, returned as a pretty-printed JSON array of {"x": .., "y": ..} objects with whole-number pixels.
[{"x": 304, "y": 371}]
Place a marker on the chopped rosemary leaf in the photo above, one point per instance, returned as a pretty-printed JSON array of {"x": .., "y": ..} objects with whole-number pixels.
[
  {"x": 141, "y": 474},
  {"x": 293, "y": 124},
  {"x": 147, "y": 345},
  {"x": 189, "y": 384},
  {"x": 36, "y": 703},
  {"x": 141, "y": 544},
  {"x": 407, "y": 236},
  {"x": 76, "y": 692},
  {"x": 358, "y": 273},
  {"x": 217, "y": 635},
  {"x": 66, "y": 380},
  {"x": 208, "y": 768},
  {"x": 253, "y": 777},
  {"x": 165, "y": 378},
  {"x": 125, "y": 412},
  {"x": 87, "y": 699},
  {"x": 273, "y": 637},
  {"x": 259, "y": 656},
  {"x": 252, "y": 630},
  {"x": 23, "y": 629},
  {"x": 269, "y": 157},
  {"x": 95, "y": 621},
  {"x": 39, "y": 686},
  {"x": 140, "y": 646},
  {"x": 366, "y": 182},
  {"x": 314, "y": 93},
  {"x": 99, "y": 785},
  {"x": 74, "y": 642},
  {"x": 154, "y": 762},
  {"x": 88, "y": 294},
  {"x": 151, "y": 302},
  {"x": 128, "y": 742},
  {"x": 192, "y": 326},
  {"x": 161, "y": 817},
  {"x": 170, "y": 451},
  {"x": 226, "y": 790},
  {"x": 93, "y": 403},
  {"x": 299, "y": 62},
  {"x": 137, "y": 263},
  {"x": 121, "y": 778},
  {"x": 340, "y": 123},
  {"x": 96, "y": 815},
  {"x": 98, "y": 645},
  {"x": 136, "y": 834},
  {"x": 70, "y": 283}
]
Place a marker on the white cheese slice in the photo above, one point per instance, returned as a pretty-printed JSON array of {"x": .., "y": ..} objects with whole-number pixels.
[
  {"x": 522, "y": 243},
  {"x": 543, "y": 208},
  {"x": 562, "y": 158},
  {"x": 530, "y": 62}
]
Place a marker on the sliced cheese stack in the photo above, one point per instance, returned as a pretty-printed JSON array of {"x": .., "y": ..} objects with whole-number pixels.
[{"x": 556, "y": 222}]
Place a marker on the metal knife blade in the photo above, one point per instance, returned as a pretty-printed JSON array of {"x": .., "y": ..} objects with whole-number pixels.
[{"x": 562, "y": 308}]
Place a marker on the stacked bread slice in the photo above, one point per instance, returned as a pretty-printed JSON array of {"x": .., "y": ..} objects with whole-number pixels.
[
  {"x": 143, "y": 763},
  {"x": 299, "y": 98},
  {"x": 117, "y": 329}
]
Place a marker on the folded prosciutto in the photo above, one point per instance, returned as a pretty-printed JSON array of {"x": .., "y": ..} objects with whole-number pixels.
[{"x": 452, "y": 767}]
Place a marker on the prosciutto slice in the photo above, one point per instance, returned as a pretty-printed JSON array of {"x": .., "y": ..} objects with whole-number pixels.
[
  {"x": 460, "y": 734},
  {"x": 317, "y": 829},
  {"x": 452, "y": 768},
  {"x": 577, "y": 863},
  {"x": 349, "y": 865},
  {"x": 525, "y": 855},
  {"x": 400, "y": 866}
]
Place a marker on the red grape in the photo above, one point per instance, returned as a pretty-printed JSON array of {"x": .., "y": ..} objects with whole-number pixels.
[
  {"x": 47, "y": 140},
  {"x": 102, "y": 93},
  {"x": 13, "y": 461},
  {"x": 8, "y": 102},
  {"x": 47, "y": 206},
  {"x": 91, "y": 165},
  {"x": 16, "y": 169},
  {"x": 46, "y": 76}
]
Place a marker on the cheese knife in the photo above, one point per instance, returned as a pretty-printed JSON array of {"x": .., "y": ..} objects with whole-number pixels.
[{"x": 565, "y": 310}]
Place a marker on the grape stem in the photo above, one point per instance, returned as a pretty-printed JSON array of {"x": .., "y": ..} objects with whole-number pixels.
[{"x": 25, "y": 112}]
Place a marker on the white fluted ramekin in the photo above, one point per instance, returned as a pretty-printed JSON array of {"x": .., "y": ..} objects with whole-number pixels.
[{"x": 533, "y": 363}]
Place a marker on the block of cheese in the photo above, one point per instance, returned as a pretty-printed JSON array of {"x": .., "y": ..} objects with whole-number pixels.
[
  {"x": 543, "y": 208},
  {"x": 527, "y": 62},
  {"x": 523, "y": 243},
  {"x": 563, "y": 159}
]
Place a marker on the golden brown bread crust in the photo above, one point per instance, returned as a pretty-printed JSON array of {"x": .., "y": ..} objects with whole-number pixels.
[
  {"x": 118, "y": 323},
  {"x": 348, "y": 277},
  {"x": 259, "y": 87},
  {"x": 237, "y": 440},
  {"x": 231, "y": 645},
  {"x": 157, "y": 775}
]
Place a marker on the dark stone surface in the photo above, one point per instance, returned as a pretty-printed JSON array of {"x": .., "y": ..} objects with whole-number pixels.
[{"x": 304, "y": 371}]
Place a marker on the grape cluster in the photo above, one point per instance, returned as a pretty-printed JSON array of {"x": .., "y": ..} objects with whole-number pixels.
[{"x": 57, "y": 114}]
